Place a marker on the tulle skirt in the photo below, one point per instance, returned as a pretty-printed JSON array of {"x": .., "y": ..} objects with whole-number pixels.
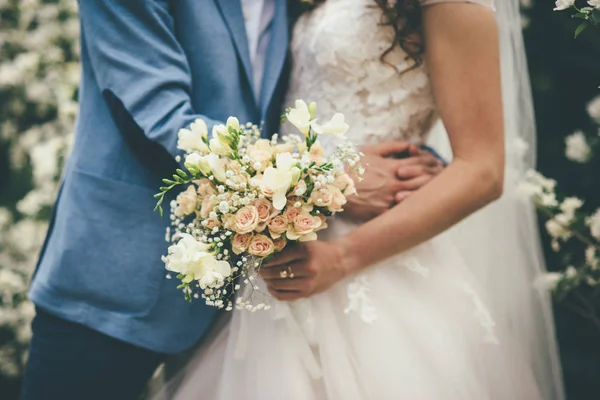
[{"x": 414, "y": 327}]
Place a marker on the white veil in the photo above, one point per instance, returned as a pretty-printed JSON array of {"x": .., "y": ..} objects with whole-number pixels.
[{"x": 502, "y": 240}]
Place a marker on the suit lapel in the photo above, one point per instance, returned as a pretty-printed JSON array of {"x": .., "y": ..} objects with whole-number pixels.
[
  {"x": 276, "y": 55},
  {"x": 232, "y": 13}
]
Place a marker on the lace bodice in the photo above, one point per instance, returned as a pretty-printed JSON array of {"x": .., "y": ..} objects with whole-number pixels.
[{"x": 336, "y": 52}]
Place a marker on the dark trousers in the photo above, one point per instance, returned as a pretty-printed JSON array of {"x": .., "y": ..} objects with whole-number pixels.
[{"x": 68, "y": 361}]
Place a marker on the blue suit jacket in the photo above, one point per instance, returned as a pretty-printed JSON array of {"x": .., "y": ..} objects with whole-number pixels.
[{"x": 150, "y": 67}]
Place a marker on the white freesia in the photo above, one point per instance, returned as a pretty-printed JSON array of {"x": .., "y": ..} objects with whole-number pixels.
[
  {"x": 336, "y": 126},
  {"x": 233, "y": 123},
  {"x": 193, "y": 139},
  {"x": 217, "y": 147},
  {"x": 276, "y": 182},
  {"x": 195, "y": 162},
  {"x": 594, "y": 3},
  {"x": 300, "y": 117},
  {"x": 577, "y": 148},
  {"x": 195, "y": 260},
  {"x": 564, "y": 4},
  {"x": 217, "y": 166}
]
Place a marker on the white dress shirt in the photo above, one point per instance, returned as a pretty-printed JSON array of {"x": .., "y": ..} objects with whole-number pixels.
[{"x": 258, "y": 16}]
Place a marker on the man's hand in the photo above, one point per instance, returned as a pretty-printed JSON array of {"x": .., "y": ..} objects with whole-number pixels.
[
  {"x": 388, "y": 181},
  {"x": 304, "y": 269}
]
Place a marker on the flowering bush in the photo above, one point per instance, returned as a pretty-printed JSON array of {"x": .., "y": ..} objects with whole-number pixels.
[
  {"x": 572, "y": 225},
  {"x": 39, "y": 73}
]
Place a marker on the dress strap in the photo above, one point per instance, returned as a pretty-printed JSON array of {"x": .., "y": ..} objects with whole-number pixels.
[{"x": 486, "y": 3}]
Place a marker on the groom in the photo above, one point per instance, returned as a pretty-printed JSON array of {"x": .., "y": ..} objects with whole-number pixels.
[{"x": 106, "y": 314}]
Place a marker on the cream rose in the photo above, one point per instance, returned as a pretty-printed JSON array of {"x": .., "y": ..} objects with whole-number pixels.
[
  {"x": 322, "y": 197},
  {"x": 284, "y": 148},
  {"x": 186, "y": 202},
  {"x": 205, "y": 188},
  {"x": 240, "y": 242},
  {"x": 345, "y": 184},
  {"x": 208, "y": 203},
  {"x": 337, "y": 199},
  {"x": 277, "y": 226},
  {"x": 261, "y": 246},
  {"x": 212, "y": 223},
  {"x": 229, "y": 222},
  {"x": 246, "y": 219},
  {"x": 317, "y": 153}
]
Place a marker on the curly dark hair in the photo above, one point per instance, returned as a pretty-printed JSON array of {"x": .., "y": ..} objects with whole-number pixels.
[{"x": 403, "y": 16}]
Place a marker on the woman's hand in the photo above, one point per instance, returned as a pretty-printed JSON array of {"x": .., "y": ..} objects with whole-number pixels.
[{"x": 304, "y": 269}]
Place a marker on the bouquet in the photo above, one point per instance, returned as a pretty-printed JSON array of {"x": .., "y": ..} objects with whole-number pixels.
[{"x": 244, "y": 198}]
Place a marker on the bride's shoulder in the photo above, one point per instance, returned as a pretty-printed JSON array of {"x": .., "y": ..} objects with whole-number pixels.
[{"x": 486, "y": 3}]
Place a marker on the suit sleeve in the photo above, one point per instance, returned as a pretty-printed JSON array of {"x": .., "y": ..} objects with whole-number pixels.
[{"x": 137, "y": 59}]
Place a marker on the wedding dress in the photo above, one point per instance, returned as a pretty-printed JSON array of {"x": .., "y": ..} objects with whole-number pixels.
[{"x": 415, "y": 327}]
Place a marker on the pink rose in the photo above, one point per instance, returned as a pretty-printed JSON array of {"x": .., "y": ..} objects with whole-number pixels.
[
  {"x": 280, "y": 243},
  {"x": 206, "y": 188},
  {"x": 304, "y": 223},
  {"x": 291, "y": 213},
  {"x": 277, "y": 226},
  {"x": 321, "y": 197},
  {"x": 207, "y": 205},
  {"x": 337, "y": 199},
  {"x": 246, "y": 219},
  {"x": 261, "y": 246},
  {"x": 264, "y": 208},
  {"x": 240, "y": 242},
  {"x": 186, "y": 202}
]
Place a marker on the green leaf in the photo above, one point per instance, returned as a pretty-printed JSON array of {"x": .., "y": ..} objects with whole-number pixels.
[{"x": 580, "y": 29}]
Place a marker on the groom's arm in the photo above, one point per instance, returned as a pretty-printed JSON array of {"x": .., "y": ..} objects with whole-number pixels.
[{"x": 140, "y": 66}]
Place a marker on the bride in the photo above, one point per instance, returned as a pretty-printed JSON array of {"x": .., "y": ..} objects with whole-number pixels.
[{"x": 401, "y": 307}]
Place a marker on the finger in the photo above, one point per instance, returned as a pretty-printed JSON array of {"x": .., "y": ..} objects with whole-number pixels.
[
  {"x": 415, "y": 171},
  {"x": 286, "y": 257},
  {"x": 388, "y": 148},
  {"x": 414, "y": 150},
  {"x": 414, "y": 184},
  {"x": 275, "y": 273},
  {"x": 401, "y": 196},
  {"x": 289, "y": 285},
  {"x": 424, "y": 159}
]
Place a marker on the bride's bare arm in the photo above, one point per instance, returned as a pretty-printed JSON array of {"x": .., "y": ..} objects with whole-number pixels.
[{"x": 463, "y": 60}]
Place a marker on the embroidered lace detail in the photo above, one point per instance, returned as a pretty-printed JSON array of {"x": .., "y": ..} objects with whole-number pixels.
[
  {"x": 337, "y": 50},
  {"x": 359, "y": 300},
  {"x": 415, "y": 266},
  {"x": 483, "y": 315}
]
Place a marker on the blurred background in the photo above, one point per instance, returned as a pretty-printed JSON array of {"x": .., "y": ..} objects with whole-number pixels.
[{"x": 39, "y": 73}]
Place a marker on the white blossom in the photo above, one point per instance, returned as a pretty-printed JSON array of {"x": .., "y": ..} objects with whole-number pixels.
[
  {"x": 577, "y": 148},
  {"x": 564, "y": 4},
  {"x": 594, "y": 223}
]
